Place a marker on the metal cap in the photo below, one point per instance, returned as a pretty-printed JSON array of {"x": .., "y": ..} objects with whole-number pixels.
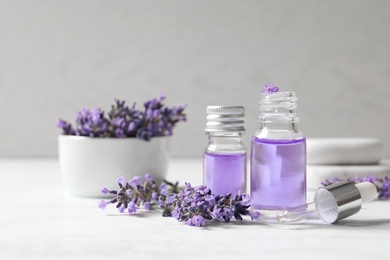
[
  {"x": 225, "y": 119},
  {"x": 338, "y": 201}
]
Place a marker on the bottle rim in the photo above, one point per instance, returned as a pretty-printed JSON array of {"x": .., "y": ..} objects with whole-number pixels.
[{"x": 286, "y": 96}]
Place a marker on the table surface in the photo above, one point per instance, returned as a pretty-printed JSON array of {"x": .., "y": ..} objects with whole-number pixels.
[{"x": 39, "y": 220}]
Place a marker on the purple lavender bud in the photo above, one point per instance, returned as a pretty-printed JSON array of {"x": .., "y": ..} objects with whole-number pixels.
[
  {"x": 131, "y": 127},
  {"x": 355, "y": 179},
  {"x": 147, "y": 206},
  {"x": 254, "y": 214},
  {"x": 86, "y": 112},
  {"x": 197, "y": 220},
  {"x": 170, "y": 199},
  {"x": 119, "y": 103},
  {"x": 181, "y": 195},
  {"x": 62, "y": 123},
  {"x": 217, "y": 212},
  {"x": 326, "y": 182},
  {"x": 163, "y": 189},
  {"x": 161, "y": 97},
  {"x": 187, "y": 185},
  {"x": 105, "y": 190},
  {"x": 246, "y": 199},
  {"x": 210, "y": 200},
  {"x": 161, "y": 201},
  {"x": 149, "y": 113},
  {"x": 385, "y": 191},
  {"x": 135, "y": 181},
  {"x": 189, "y": 222},
  {"x": 176, "y": 213},
  {"x": 149, "y": 177},
  {"x": 96, "y": 115},
  {"x": 132, "y": 208},
  {"x": 121, "y": 209},
  {"x": 336, "y": 179},
  {"x": 202, "y": 189},
  {"x": 121, "y": 181},
  {"x": 102, "y": 204},
  {"x": 371, "y": 179},
  {"x": 156, "y": 113},
  {"x": 144, "y": 135},
  {"x": 117, "y": 121},
  {"x": 227, "y": 213},
  {"x": 119, "y": 133}
]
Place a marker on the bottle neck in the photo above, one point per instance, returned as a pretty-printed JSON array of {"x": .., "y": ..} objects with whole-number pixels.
[
  {"x": 278, "y": 119},
  {"x": 225, "y": 142}
]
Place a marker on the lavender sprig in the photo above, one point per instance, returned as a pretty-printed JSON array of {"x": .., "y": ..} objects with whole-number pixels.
[
  {"x": 131, "y": 195},
  {"x": 123, "y": 121},
  {"x": 382, "y": 184},
  {"x": 192, "y": 205}
]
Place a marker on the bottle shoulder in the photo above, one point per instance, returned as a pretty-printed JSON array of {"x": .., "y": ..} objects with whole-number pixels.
[
  {"x": 278, "y": 141},
  {"x": 226, "y": 149},
  {"x": 278, "y": 135}
]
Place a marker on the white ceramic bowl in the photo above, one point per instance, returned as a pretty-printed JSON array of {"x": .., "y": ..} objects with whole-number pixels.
[
  {"x": 344, "y": 151},
  {"x": 88, "y": 164}
]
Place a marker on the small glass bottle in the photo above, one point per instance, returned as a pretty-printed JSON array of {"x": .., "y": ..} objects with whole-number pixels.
[
  {"x": 278, "y": 155},
  {"x": 225, "y": 159}
]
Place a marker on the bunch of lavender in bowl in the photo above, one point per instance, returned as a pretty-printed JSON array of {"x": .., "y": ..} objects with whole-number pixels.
[
  {"x": 126, "y": 141},
  {"x": 153, "y": 120}
]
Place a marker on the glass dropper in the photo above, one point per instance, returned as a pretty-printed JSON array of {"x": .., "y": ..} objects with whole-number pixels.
[{"x": 332, "y": 203}]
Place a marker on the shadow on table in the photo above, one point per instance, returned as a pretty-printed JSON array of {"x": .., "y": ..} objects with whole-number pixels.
[
  {"x": 363, "y": 223},
  {"x": 342, "y": 225},
  {"x": 373, "y": 224},
  {"x": 215, "y": 224},
  {"x": 139, "y": 214}
]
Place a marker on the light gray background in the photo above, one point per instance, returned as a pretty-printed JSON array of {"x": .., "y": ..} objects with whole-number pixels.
[{"x": 59, "y": 56}]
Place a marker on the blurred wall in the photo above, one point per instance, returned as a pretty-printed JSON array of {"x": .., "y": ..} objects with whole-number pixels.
[{"x": 57, "y": 57}]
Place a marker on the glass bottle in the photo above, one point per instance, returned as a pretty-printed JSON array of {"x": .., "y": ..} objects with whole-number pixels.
[
  {"x": 278, "y": 155},
  {"x": 225, "y": 159}
]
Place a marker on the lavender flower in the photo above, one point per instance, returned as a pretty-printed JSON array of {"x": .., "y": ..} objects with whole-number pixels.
[
  {"x": 159, "y": 120},
  {"x": 123, "y": 121},
  {"x": 92, "y": 123},
  {"x": 67, "y": 128},
  {"x": 385, "y": 191},
  {"x": 132, "y": 207},
  {"x": 382, "y": 184},
  {"x": 270, "y": 88},
  {"x": 136, "y": 181},
  {"x": 134, "y": 193},
  {"x": 130, "y": 194},
  {"x": 196, "y": 220},
  {"x": 192, "y": 205}
]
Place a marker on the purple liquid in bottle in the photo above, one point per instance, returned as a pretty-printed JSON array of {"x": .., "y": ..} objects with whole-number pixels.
[
  {"x": 278, "y": 173},
  {"x": 225, "y": 173}
]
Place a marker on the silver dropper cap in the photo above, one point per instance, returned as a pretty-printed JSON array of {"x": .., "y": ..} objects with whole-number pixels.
[
  {"x": 342, "y": 199},
  {"x": 225, "y": 119}
]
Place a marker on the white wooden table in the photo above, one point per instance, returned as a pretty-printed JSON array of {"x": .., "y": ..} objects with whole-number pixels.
[{"x": 38, "y": 220}]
